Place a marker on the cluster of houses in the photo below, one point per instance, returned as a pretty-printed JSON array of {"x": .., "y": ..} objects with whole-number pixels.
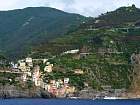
[
  {"x": 28, "y": 69},
  {"x": 31, "y": 71},
  {"x": 59, "y": 88}
]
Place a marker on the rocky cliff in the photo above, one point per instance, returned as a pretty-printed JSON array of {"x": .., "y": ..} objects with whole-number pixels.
[{"x": 11, "y": 91}]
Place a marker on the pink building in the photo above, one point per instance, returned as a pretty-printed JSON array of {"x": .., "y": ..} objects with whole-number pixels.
[{"x": 36, "y": 75}]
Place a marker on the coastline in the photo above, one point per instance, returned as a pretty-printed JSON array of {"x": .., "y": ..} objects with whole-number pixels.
[{"x": 14, "y": 92}]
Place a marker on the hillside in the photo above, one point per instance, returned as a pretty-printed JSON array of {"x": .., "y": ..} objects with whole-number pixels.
[
  {"x": 123, "y": 16},
  {"x": 119, "y": 20},
  {"x": 100, "y": 51},
  {"x": 19, "y": 29},
  {"x": 105, "y": 51}
]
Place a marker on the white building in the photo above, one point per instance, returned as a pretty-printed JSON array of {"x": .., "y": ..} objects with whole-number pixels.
[
  {"x": 66, "y": 80},
  {"x": 45, "y": 60},
  {"x": 22, "y": 60},
  {"x": 15, "y": 66},
  {"x": 29, "y": 62},
  {"x": 48, "y": 68},
  {"x": 72, "y": 51}
]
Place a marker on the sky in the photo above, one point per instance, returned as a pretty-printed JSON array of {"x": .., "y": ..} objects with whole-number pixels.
[{"x": 83, "y": 7}]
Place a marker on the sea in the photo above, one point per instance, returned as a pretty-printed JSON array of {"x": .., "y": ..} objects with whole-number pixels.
[{"x": 67, "y": 102}]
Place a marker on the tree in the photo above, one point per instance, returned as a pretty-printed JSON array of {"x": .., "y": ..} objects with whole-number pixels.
[{"x": 133, "y": 6}]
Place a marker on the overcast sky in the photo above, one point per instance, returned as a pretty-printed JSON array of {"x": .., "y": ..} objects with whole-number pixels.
[{"x": 83, "y": 7}]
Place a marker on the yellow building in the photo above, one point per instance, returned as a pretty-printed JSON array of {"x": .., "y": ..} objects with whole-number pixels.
[
  {"x": 70, "y": 90},
  {"x": 22, "y": 66}
]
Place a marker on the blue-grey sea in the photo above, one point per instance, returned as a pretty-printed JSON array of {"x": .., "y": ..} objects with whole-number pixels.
[{"x": 67, "y": 102}]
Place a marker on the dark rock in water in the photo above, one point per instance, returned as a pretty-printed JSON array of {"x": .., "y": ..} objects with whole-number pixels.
[{"x": 45, "y": 94}]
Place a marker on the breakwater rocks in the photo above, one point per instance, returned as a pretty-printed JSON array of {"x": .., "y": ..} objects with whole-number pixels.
[{"x": 11, "y": 91}]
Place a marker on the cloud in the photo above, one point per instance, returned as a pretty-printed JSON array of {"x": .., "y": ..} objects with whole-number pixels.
[
  {"x": 84, "y": 7},
  {"x": 18, "y": 4},
  {"x": 90, "y": 7}
]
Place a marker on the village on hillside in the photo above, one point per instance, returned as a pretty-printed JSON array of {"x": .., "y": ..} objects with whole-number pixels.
[
  {"x": 90, "y": 72},
  {"x": 36, "y": 71},
  {"x": 29, "y": 69}
]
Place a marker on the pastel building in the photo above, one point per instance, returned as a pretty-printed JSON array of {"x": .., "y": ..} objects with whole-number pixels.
[
  {"x": 60, "y": 87},
  {"x": 22, "y": 66},
  {"x": 24, "y": 77},
  {"x": 28, "y": 71},
  {"x": 49, "y": 67},
  {"x": 36, "y": 75},
  {"x": 78, "y": 71}
]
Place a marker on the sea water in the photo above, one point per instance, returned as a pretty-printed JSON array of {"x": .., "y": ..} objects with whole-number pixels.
[{"x": 66, "y": 102}]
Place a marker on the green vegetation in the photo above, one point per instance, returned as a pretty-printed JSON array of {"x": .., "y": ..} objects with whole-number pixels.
[
  {"x": 106, "y": 44},
  {"x": 21, "y": 29},
  {"x": 122, "y": 17},
  {"x": 108, "y": 61},
  {"x": 97, "y": 69},
  {"x": 8, "y": 78}
]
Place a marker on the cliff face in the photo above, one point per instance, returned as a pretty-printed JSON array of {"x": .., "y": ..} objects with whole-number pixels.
[
  {"x": 10, "y": 91},
  {"x": 135, "y": 87}
]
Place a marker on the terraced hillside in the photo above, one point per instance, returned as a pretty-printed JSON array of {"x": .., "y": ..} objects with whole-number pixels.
[
  {"x": 105, "y": 45},
  {"x": 104, "y": 56}
]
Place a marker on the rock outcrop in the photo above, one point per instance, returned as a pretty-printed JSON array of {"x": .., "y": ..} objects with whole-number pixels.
[{"x": 11, "y": 91}]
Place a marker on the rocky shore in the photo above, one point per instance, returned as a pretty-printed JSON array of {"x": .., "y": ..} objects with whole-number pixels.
[
  {"x": 90, "y": 93},
  {"x": 11, "y": 91}
]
